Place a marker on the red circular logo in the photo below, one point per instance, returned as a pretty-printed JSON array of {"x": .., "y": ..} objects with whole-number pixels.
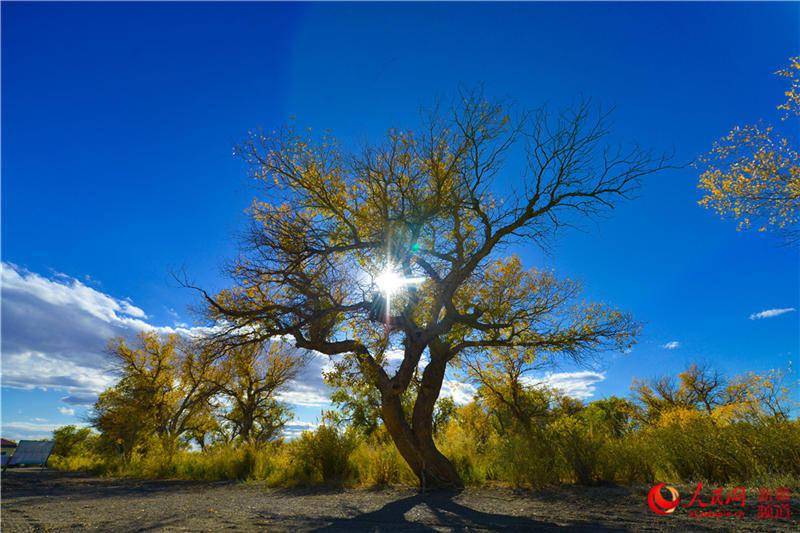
[{"x": 658, "y": 503}]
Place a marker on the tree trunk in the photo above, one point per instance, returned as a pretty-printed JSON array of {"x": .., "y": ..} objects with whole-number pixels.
[
  {"x": 246, "y": 427},
  {"x": 415, "y": 443}
]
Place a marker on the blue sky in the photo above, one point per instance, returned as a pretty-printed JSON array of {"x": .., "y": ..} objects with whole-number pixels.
[{"x": 119, "y": 120}]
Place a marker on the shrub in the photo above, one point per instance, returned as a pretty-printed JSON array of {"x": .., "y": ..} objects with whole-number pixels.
[
  {"x": 319, "y": 456},
  {"x": 579, "y": 448},
  {"x": 627, "y": 460},
  {"x": 527, "y": 459},
  {"x": 86, "y": 462},
  {"x": 572, "y": 443},
  {"x": 378, "y": 463},
  {"x": 72, "y": 440},
  {"x": 244, "y": 462},
  {"x": 464, "y": 448}
]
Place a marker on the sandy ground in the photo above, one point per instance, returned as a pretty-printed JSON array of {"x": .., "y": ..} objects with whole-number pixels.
[{"x": 54, "y": 501}]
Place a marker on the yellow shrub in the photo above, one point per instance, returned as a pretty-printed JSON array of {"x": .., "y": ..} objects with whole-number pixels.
[
  {"x": 462, "y": 447},
  {"x": 378, "y": 463},
  {"x": 526, "y": 460},
  {"x": 91, "y": 463},
  {"x": 316, "y": 457}
]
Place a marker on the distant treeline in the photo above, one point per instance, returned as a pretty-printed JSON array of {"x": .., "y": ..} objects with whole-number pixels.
[{"x": 697, "y": 426}]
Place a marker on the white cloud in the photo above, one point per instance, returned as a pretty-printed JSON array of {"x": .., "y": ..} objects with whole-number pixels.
[
  {"x": 309, "y": 389},
  {"x": 671, "y": 345},
  {"x": 304, "y": 395},
  {"x": 68, "y": 293},
  {"x": 770, "y": 313},
  {"x": 28, "y": 430},
  {"x": 397, "y": 354},
  {"x": 579, "y": 385},
  {"x": 55, "y": 332},
  {"x": 294, "y": 428},
  {"x": 31, "y": 426},
  {"x": 461, "y": 393},
  {"x": 88, "y": 374}
]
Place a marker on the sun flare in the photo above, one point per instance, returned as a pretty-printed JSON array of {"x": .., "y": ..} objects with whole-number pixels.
[{"x": 390, "y": 282}]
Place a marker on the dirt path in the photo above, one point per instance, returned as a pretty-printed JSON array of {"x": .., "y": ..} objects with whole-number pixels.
[{"x": 53, "y": 501}]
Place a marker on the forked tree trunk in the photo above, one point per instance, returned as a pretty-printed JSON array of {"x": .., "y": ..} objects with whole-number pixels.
[{"x": 415, "y": 441}]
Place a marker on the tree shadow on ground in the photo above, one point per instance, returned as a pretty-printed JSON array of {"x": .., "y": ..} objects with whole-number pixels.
[
  {"x": 35, "y": 484},
  {"x": 444, "y": 512}
]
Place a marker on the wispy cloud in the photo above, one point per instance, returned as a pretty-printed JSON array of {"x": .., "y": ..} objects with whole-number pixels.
[
  {"x": 309, "y": 388},
  {"x": 17, "y": 430},
  {"x": 79, "y": 399},
  {"x": 294, "y": 428},
  {"x": 55, "y": 331},
  {"x": 304, "y": 395},
  {"x": 31, "y": 426},
  {"x": 671, "y": 345},
  {"x": 396, "y": 354},
  {"x": 579, "y": 385},
  {"x": 461, "y": 393},
  {"x": 770, "y": 313}
]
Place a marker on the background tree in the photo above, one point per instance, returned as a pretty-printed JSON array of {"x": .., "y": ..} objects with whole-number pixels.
[
  {"x": 698, "y": 387},
  {"x": 768, "y": 394},
  {"x": 69, "y": 440},
  {"x": 250, "y": 379},
  {"x": 753, "y": 173},
  {"x": 506, "y": 389},
  {"x": 358, "y": 402},
  {"x": 502, "y": 373},
  {"x": 206, "y": 427},
  {"x": 165, "y": 388},
  {"x": 397, "y": 248},
  {"x": 119, "y": 421},
  {"x": 753, "y": 396}
]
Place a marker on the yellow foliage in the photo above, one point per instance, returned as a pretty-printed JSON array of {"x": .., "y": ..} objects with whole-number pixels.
[{"x": 753, "y": 174}]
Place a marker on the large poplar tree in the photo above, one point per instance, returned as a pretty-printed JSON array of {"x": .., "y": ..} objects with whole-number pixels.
[{"x": 402, "y": 247}]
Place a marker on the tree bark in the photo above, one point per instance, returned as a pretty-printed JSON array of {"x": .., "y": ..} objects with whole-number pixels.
[{"x": 415, "y": 441}]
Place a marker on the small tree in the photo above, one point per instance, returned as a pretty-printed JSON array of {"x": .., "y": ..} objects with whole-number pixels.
[
  {"x": 120, "y": 422},
  {"x": 71, "y": 440},
  {"x": 753, "y": 396},
  {"x": 768, "y": 395},
  {"x": 165, "y": 388},
  {"x": 251, "y": 377},
  {"x": 502, "y": 373},
  {"x": 505, "y": 388},
  {"x": 398, "y": 248},
  {"x": 698, "y": 387}
]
